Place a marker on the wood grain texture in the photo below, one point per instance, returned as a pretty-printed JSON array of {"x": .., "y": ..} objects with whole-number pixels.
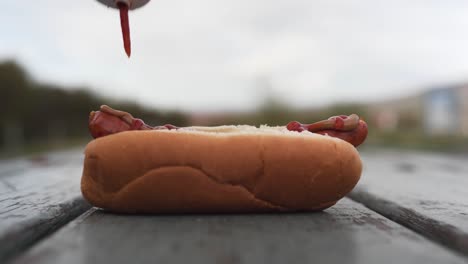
[
  {"x": 38, "y": 196},
  {"x": 345, "y": 233},
  {"x": 425, "y": 192}
]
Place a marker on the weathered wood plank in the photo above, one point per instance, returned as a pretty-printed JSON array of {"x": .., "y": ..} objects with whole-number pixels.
[
  {"x": 346, "y": 233},
  {"x": 38, "y": 198},
  {"x": 18, "y": 165},
  {"x": 425, "y": 192}
]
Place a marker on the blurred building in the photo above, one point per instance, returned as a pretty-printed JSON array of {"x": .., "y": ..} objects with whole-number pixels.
[
  {"x": 463, "y": 97},
  {"x": 438, "y": 111},
  {"x": 442, "y": 111},
  {"x": 392, "y": 114}
]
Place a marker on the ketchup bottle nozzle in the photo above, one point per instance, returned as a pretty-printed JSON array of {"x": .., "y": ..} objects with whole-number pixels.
[{"x": 132, "y": 4}]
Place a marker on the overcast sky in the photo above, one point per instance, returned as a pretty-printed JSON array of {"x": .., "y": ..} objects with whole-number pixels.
[{"x": 213, "y": 55}]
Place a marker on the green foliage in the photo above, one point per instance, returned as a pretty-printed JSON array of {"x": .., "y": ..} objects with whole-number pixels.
[
  {"x": 47, "y": 113},
  {"x": 419, "y": 141}
]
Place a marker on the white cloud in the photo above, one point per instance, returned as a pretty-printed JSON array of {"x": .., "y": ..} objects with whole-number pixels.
[{"x": 209, "y": 54}]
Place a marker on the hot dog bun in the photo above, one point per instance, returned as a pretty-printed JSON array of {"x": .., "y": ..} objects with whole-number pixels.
[{"x": 218, "y": 169}]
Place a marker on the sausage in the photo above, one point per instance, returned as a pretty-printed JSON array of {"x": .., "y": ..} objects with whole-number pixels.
[{"x": 109, "y": 121}]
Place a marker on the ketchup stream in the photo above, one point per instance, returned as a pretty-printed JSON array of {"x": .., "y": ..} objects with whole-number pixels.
[{"x": 125, "y": 27}]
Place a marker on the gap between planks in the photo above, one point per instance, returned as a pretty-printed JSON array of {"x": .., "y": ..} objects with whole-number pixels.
[
  {"x": 20, "y": 239},
  {"x": 441, "y": 233}
]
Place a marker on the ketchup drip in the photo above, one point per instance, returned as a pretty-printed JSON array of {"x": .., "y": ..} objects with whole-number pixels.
[
  {"x": 125, "y": 27},
  {"x": 339, "y": 123}
]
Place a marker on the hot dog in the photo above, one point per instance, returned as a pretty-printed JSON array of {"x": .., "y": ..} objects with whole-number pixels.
[{"x": 131, "y": 167}]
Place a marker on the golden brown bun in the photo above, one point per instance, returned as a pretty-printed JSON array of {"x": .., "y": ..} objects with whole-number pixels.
[{"x": 226, "y": 169}]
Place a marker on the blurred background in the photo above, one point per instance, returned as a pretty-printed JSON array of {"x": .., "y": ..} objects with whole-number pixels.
[{"x": 401, "y": 65}]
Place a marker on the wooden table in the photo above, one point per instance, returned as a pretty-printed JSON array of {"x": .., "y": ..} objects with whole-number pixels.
[{"x": 407, "y": 208}]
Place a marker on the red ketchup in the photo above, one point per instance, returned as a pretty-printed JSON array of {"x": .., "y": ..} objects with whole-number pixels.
[
  {"x": 348, "y": 128},
  {"x": 125, "y": 27},
  {"x": 124, "y": 6}
]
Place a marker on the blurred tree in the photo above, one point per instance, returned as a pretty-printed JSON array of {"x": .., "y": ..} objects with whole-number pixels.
[
  {"x": 14, "y": 84},
  {"x": 37, "y": 112}
]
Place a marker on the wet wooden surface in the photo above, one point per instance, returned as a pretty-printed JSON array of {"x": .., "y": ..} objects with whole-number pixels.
[
  {"x": 346, "y": 233},
  {"x": 408, "y": 208},
  {"x": 37, "y": 196},
  {"x": 425, "y": 192}
]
